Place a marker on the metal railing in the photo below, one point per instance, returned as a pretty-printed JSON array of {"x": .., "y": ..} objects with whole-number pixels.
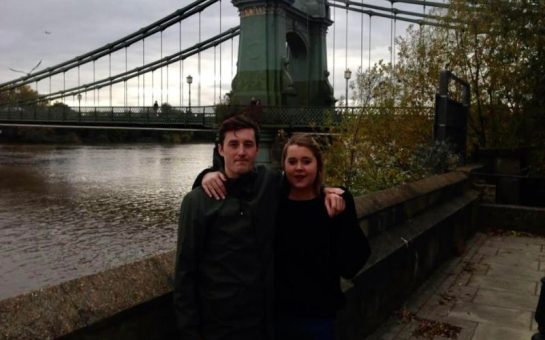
[{"x": 198, "y": 116}]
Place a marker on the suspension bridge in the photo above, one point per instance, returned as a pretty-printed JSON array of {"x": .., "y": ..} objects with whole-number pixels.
[{"x": 293, "y": 58}]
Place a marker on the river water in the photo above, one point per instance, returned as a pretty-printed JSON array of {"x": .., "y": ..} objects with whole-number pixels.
[{"x": 68, "y": 211}]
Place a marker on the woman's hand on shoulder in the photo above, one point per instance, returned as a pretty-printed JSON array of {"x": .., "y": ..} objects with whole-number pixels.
[
  {"x": 334, "y": 202},
  {"x": 213, "y": 186}
]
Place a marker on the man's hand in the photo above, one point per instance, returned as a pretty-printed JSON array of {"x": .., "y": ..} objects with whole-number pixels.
[
  {"x": 334, "y": 203},
  {"x": 212, "y": 183}
]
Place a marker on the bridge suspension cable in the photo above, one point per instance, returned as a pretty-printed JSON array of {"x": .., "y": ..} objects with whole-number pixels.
[
  {"x": 158, "y": 26},
  {"x": 398, "y": 12},
  {"x": 390, "y": 13},
  {"x": 333, "y": 70},
  {"x": 361, "y": 36},
  {"x": 150, "y": 67},
  {"x": 423, "y": 3},
  {"x": 369, "y": 61},
  {"x": 199, "y": 66},
  {"x": 221, "y": 59}
]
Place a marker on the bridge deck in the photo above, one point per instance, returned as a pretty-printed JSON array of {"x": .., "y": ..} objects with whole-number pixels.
[
  {"x": 194, "y": 118},
  {"x": 204, "y": 117}
]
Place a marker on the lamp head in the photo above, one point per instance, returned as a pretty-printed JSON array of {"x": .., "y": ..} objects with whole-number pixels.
[{"x": 347, "y": 74}]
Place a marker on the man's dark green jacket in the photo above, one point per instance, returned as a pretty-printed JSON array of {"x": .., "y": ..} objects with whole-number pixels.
[{"x": 224, "y": 262}]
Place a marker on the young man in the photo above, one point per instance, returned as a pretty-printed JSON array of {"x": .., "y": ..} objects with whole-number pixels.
[{"x": 223, "y": 286}]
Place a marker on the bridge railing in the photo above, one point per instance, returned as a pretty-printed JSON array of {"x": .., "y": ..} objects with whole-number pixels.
[
  {"x": 195, "y": 116},
  {"x": 198, "y": 116}
]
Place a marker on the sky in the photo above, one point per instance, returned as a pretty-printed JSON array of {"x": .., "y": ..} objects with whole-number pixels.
[{"x": 50, "y": 32}]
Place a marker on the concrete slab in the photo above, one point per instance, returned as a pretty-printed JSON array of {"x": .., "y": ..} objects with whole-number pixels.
[
  {"x": 514, "y": 318},
  {"x": 506, "y": 299},
  {"x": 511, "y": 261},
  {"x": 521, "y": 254},
  {"x": 515, "y": 246},
  {"x": 534, "y": 268},
  {"x": 441, "y": 304},
  {"x": 488, "y": 250},
  {"x": 502, "y": 283},
  {"x": 491, "y": 292},
  {"x": 488, "y": 332},
  {"x": 497, "y": 270}
]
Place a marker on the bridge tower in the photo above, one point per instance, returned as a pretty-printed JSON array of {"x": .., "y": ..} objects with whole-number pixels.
[{"x": 282, "y": 58}]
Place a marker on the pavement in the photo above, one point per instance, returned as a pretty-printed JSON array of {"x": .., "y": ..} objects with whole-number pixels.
[{"x": 489, "y": 292}]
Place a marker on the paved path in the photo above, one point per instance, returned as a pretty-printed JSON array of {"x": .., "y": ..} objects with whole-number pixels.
[{"x": 490, "y": 292}]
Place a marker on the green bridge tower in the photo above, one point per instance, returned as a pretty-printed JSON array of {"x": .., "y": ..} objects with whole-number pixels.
[{"x": 282, "y": 59}]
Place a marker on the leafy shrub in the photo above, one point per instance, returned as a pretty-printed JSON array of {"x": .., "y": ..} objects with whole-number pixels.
[
  {"x": 434, "y": 158},
  {"x": 377, "y": 149}
]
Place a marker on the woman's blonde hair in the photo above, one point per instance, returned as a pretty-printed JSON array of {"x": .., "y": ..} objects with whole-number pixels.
[{"x": 306, "y": 140}]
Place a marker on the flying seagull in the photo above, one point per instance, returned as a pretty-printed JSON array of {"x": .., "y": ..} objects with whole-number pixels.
[{"x": 27, "y": 73}]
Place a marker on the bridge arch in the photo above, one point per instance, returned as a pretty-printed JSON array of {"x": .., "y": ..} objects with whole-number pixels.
[{"x": 297, "y": 59}]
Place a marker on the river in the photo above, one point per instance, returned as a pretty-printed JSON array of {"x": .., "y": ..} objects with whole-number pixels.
[{"x": 69, "y": 211}]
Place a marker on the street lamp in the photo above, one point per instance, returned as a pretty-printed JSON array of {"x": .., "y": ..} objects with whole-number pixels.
[
  {"x": 79, "y": 102},
  {"x": 347, "y": 75},
  {"x": 189, "y": 80}
]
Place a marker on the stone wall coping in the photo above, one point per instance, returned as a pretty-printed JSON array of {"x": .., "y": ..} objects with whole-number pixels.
[
  {"x": 55, "y": 311},
  {"x": 377, "y": 201},
  {"x": 405, "y": 234}
]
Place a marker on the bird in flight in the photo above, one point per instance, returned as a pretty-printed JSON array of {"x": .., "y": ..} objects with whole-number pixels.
[
  {"x": 27, "y": 73},
  {"x": 47, "y": 32}
]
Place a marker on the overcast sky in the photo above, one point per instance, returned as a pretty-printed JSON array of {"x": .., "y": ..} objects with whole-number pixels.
[{"x": 53, "y": 31}]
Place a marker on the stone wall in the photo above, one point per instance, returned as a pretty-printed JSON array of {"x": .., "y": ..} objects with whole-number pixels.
[
  {"x": 127, "y": 302},
  {"x": 412, "y": 229},
  {"x": 512, "y": 217}
]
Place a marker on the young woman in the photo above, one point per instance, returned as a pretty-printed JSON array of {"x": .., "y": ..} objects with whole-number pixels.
[{"x": 312, "y": 250}]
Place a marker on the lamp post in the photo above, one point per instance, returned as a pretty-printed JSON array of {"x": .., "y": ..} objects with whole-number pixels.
[
  {"x": 189, "y": 80},
  {"x": 347, "y": 76},
  {"x": 79, "y": 103}
]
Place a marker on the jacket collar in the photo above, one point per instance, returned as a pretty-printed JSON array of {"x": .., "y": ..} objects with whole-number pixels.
[{"x": 243, "y": 186}]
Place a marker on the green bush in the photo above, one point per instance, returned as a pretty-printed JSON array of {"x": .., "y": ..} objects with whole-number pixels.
[
  {"x": 434, "y": 158},
  {"x": 374, "y": 151}
]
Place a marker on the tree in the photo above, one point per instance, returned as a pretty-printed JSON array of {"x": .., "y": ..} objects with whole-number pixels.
[
  {"x": 374, "y": 146},
  {"x": 498, "y": 47},
  {"x": 17, "y": 96}
]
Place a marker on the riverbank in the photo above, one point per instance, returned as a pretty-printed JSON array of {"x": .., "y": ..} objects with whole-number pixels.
[{"x": 32, "y": 135}]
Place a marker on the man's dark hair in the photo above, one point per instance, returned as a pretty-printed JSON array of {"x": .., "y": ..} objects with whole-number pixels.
[{"x": 235, "y": 123}]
